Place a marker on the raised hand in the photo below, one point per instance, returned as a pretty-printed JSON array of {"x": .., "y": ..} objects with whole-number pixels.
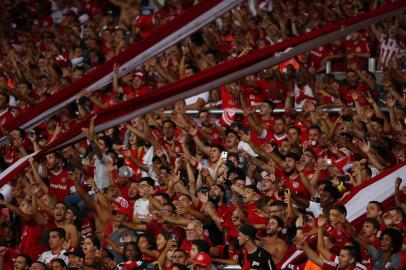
[
  {"x": 203, "y": 197},
  {"x": 193, "y": 132},
  {"x": 245, "y": 137},
  {"x": 390, "y": 101},
  {"x": 321, "y": 221},
  {"x": 365, "y": 147},
  {"x": 116, "y": 69},
  {"x": 397, "y": 183},
  {"x": 300, "y": 166}
]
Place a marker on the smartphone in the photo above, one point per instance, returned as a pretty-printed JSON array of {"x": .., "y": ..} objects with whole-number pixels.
[
  {"x": 224, "y": 155},
  {"x": 173, "y": 237},
  {"x": 31, "y": 133},
  {"x": 204, "y": 163},
  {"x": 204, "y": 189},
  {"x": 329, "y": 162}
]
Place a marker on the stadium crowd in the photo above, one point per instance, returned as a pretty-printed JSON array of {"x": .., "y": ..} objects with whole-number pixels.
[{"x": 180, "y": 191}]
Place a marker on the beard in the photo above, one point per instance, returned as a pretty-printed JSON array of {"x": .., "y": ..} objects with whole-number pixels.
[
  {"x": 215, "y": 199},
  {"x": 289, "y": 171},
  {"x": 271, "y": 233}
]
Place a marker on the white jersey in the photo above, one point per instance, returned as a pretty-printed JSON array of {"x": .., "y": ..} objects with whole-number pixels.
[{"x": 47, "y": 256}]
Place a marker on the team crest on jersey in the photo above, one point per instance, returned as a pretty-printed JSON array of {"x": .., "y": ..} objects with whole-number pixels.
[
  {"x": 295, "y": 184},
  {"x": 63, "y": 180},
  {"x": 358, "y": 49}
]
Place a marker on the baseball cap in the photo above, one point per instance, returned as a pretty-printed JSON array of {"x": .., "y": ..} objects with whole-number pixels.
[
  {"x": 130, "y": 265},
  {"x": 249, "y": 230},
  {"x": 124, "y": 211},
  {"x": 140, "y": 75},
  {"x": 125, "y": 171},
  {"x": 202, "y": 259}
]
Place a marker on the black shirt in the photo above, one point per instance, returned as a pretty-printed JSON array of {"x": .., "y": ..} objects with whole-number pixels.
[{"x": 260, "y": 259}]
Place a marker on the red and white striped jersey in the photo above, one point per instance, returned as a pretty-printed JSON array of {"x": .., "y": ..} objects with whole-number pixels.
[{"x": 388, "y": 47}]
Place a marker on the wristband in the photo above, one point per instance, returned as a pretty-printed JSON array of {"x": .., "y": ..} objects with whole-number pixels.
[{"x": 299, "y": 228}]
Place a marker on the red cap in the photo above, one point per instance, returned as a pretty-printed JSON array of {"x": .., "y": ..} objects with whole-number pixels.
[
  {"x": 130, "y": 265},
  {"x": 140, "y": 75},
  {"x": 144, "y": 21},
  {"x": 202, "y": 259},
  {"x": 125, "y": 211},
  {"x": 120, "y": 202}
]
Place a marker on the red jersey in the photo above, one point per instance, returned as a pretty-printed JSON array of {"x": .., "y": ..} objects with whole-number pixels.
[
  {"x": 253, "y": 217},
  {"x": 5, "y": 117},
  {"x": 88, "y": 227},
  {"x": 294, "y": 184},
  {"x": 360, "y": 88},
  {"x": 172, "y": 148},
  {"x": 274, "y": 90},
  {"x": 251, "y": 96},
  {"x": 11, "y": 155},
  {"x": 317, "y": 55},
  {"x": 266, "y": 135},
  {"x": 60, "y": 184},
  {"x": 30, "y": 240},
  {"x": 154, "y": 228},
  {"x": 134, "y": 93},
  {"x": 138, "y": 153},
  {"x": 357, "y": 46},
  {"x": 229, "y": 104}
]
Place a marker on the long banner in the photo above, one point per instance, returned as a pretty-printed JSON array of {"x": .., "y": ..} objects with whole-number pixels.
[
  {"x": 217, "y": 76},
  {"x": 159, "y": 40},
  {"x": 380, "y": 188}
]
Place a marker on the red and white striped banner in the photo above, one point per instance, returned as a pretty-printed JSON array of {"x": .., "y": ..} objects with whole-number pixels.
[
  {"x": 159, "y": 40},
  {"x": 221, "y": 74},
  {"x": 380, "y": 188}
]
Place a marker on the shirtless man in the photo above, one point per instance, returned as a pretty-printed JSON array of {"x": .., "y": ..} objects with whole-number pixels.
[
  {"x": 72, "y": 233},
  {"x": 100, "y": 203},
  {"x": 272, "y": 242},
  {"x": 56, "y": 217}
]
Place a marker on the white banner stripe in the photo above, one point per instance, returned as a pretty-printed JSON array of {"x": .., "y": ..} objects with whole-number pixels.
[
  {"x": 379, "y": 191},
  {"x": 137, "y": 61},
  {"x": 11, "y": 168},
  {"x": 266, "y": 63},
  {"x": 169, "y": 41}
]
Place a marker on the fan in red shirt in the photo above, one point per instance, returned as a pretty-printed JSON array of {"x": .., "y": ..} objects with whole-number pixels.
[
  {"x": 291, "y": 176},
  {"x": 60, "y": 183},
  {"x": 138, "y": 87},
  {"x": 272, "y": 85},
  {"x": 262, "y": 123},
  {"x": 230, "y": 102},
  {"x": 208, "y": 129},
  {"x": 356, "y": 50},
  {"x": 250, "y": 197},
  {"x": 346, "y": 261},
  {"x": 194, "y": 231},
  {"x": 5, "y": 114},
  {"x": 353, "y": 85}
]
